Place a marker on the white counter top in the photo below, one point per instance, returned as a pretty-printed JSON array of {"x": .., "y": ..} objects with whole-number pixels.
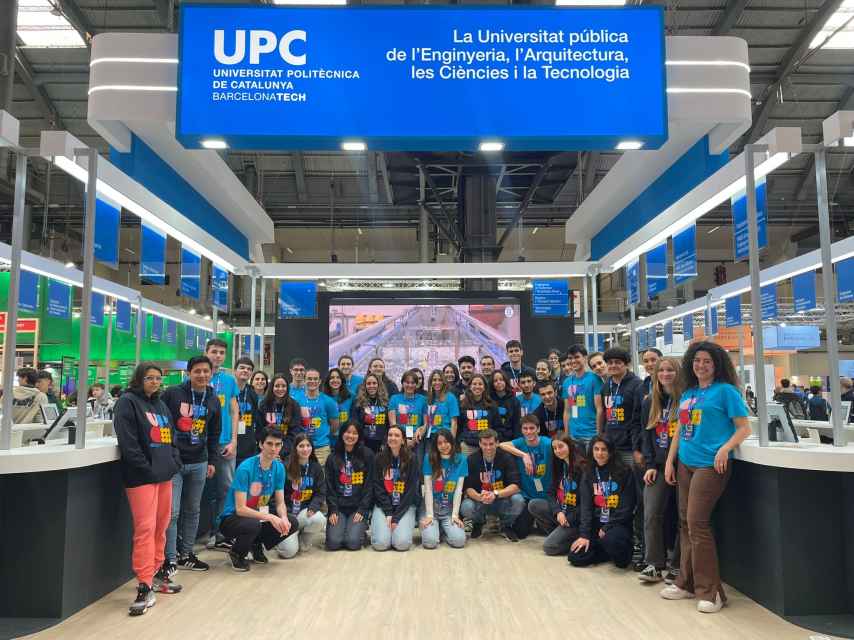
[
  {"x": 55, "y": 457},
  {"x": 804, "y": 455}
]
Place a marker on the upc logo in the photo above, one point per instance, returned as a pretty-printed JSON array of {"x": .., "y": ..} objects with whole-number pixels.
[{"x": 261, "y": 42}]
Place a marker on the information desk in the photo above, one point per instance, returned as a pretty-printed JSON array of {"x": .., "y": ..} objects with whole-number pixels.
[
  {"x": 785, "y": 532},
  {"x": 65, "y": 531}
]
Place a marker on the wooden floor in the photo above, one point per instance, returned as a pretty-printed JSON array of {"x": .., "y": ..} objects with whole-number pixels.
[{"x": 491, "y": 589}]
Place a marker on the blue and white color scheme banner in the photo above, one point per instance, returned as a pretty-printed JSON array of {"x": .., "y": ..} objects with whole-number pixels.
[
  {"x": 642, "y": 338},
  {"x": 550, "y": 298},
  {"x": 97, "y": 314},
  {"x": 247, "y": 343},
  {"x": 58, "y": 299},
  {"x": 191, "y": 269},
  {"x": 803, "y": 290},
  {"x": 107, "y": 219},
  {"x": 739, "y": 222},
  {"x": 685, "y": 255},
  {"x": 219, "y": 282},
  {"x": 152, "y": 268},
  {"x": 732, "y": 307},
  {"x": 156, "y": 328},
  {"x": 668, "y": 332},
  {"x": 711, "y": 319},
  {"x": 792, "y": 337},
  {"x": 656, "y": 271},
  {"x": 309, "y": 78},
  {"x": 633, "y": 281},
  {"x": 28, "y": 292},
  {"x": 768, "y": 296},
  {"x": 171, "y": 332},
  {"x": 298, "y": 300},
  {"x": 688, "y": 327},
  {"x": 122, "y": 315},
  {"x": 844, "y": 280},
  {"x": 190, "y": 338}
]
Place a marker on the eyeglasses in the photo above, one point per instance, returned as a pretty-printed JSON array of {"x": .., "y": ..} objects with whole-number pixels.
[{"x": 152, "y": 379}]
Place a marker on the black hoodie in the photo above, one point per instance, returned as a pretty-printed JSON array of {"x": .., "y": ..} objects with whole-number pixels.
[
  {"x": 247, "y": 406},
  {"x": 358, "y": 484},
  {"x": 384, "y": 488},
  {"x": 372, "y": 422},
  {"x": 145, "y": 433},
  {"x": 281, "y": 417},
  {"x": 197, "y": 421},
  {"x": 476, "y": 418},
  {"x": 620, "y": 501},
  {"x": 565, "y": 492},
  {"x": 622, "y": 402},
  {"x": 514, "y": 374},
  {"x": 310, "y": 492},
  {"x": 509, "y": 420},
  {"x": 655, "y": 442}
]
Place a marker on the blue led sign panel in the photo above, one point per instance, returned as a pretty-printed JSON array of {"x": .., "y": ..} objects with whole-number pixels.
[{"x": 550, "y": 298}]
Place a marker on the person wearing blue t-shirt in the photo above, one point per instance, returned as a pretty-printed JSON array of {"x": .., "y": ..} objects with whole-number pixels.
[
  {"x": 581, "y": 393},
  {"x": 345, "y": 366},
  {"x": 247, "y": 516},
  {"x": 528, "y": 400},
  {"x": 445, "y": 471},
  {"x": 533, "y": 454},
  {"x": 443, "y": 408},
  {"x": 319, "y": 415},
  {"x": 712, "y": 422},
  {"x": 408, "y": 410}
]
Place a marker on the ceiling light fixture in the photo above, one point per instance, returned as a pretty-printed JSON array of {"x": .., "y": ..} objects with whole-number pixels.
[
  {"x": 629, "y": 145},
  {"x": 214, "y": 143},
  {"x": 353, "y": 145},
  {"x": 491, "y": 146}
]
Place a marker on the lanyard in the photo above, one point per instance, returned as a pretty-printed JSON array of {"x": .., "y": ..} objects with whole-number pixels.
[
  {"x": 549, "y": 415},
  {"x": 605, "y": 490},
  {"x": 665, "y": 413},
  {"x": 304, "y": 475},
  {"x": 611, "y": 387},
  {"x": 266, "y": 478},
  {"x": 200, "y": 404},
  {"x": 488, "y": 468}
]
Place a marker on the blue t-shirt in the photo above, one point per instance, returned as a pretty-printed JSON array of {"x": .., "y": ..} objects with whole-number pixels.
[
  {"x": 454, "y": 471},
  {"x": 297, "y": 393},
  {"x": 440, "y": 413},
  {"x": 537, "y": 485},
  {"x": 316, "y": 414},
  {"x": 528, "y": 405},
  {"x": 580, "y": 394},
  {"x": 353, "y": 384},
  {"x": 226, "y": 390},
  {"x": 706, "y": 422},
  {"x": 258, "y": 485},
  {"x": 344, "y": 408},
  {"x": 409, "y": 412}
]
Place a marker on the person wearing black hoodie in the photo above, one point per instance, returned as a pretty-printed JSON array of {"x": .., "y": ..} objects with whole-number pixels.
[
  {"x": 396, "y": 480},
  {"x": 509, "y": 409},
  {"x": 477, "y": 413},
  {"x": 608, "y": 498},
  {"x": 514, "y": 367},
  {"x": 349, "y": 490},
  {"x": 247, "y": 404},
  {"x": 195, "y": 411},
  {"x": 279, "y": 410},
  {"x": 149, "y": 459},
  {"x": 377, "y": 367},
  {"x": 305, "y": 491}
]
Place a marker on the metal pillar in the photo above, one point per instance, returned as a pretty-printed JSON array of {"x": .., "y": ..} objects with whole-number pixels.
[
  {"x": 594, "y": 306},
  {"x": 263, "y": 321},
  {"x": 633, "y": 339},
  {"x": 86, "y": 305},
  {"x": 8, "y": 43},
  {"x": 836, "y": 418},
  {"x": 424, "y": 235},
  {"x": 11, "y": 344},
  {"x": 252, "y": 323},
  {"x": 108, "y": 352},
  {"x": 756, "y": 295},
  {"x": 140, "y": 319},
  {"x": 586, "y": 319}
]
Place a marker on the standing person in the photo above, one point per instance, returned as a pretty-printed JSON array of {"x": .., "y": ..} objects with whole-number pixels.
[
  {"x": 491, "y": 486},
  {"x": 419, "y": 377},
  {"x": 557, "y": 515},
  {"x": 581, "y": 392},
  {"x": 370, "y": 412},
  {"x": 336, "y": 388},
  {"x": 566, "y": 368},
  {"x": 477, "y": 413},
  {"x": 550, "y": 413},
  {"x": 445, "y": 470},
  {"x": 195, "y": 412},
  {"x": 297, "y": 368},
  {"x": 607, "y": 502},
  {"x": 443, "y": 409},
  {"x": 352, "y": 380},
  {"x": 319, "y": 415},
  {"x": 349, "y": 490},
  {"x": 408, "y": 410},
  {"x": 452, "y": 376},
  {"x": 553, "y": 358},
  {"x": 514, "y": 367},
  {"x": 148, "y": 462},
  {"x": 247, "y": 516},
  {"x": 395, "y": 481},
  {"x": 529, "y": 400},
  {"x": 507, "y": 404},
  {"x": 543, "y": 374},
  {"x": 649, "y": 359},
  {"x": 487, "y": 366},
  {"x": 597, "y": 365},
  {"x": 27, "y": 399},
  {"x": 259, "y": 384},
  {"x": 712, "y": 422},
  {"x": 247, "y": 403},
  {"x": 466, "y": 365},
  {"x": 225, "y": 387},
  {"x": 533, "y": 457},
  {"x": 279, "y": 411},
  {"x": 660, "y": 423},
  {"x": 377, "y": 367},
  {"x": 305, "y": 491}
]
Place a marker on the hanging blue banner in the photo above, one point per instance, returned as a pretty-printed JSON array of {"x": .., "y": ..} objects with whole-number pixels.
[
  {"x": 152, "y": 268},
  {"x": 688, "y": 327},
  {"x": 297, "y": 299},
  {"x": 171, "y": 331},
  {"x": 600, "y": 342},
  {"x": 642, "y": 338},
  {"x": 190, "y": 337},
  {"x": 844, "y": 280},
  {"x": 768, "y": 295},
  {"x": 247, "y": 343},
  {"x": 803, "y": 291},
  {"x": 550, "y": 298},
  {"x": 219, "y": 283},
  {"x": 97, "y": 314},
  {"x": 792, "y": 337},
  {"x": 28, "y": 292},
  {"x": 668, "y": 332},
  {"x": 58, "y": 299},
  {"x": 656, "y": 271},
  {"x": 651, "y": 335},
  {"x": 685, "y": 255},
  {"x": 710, "y": 317},
  {"x": 107, "y": 219},
  {"x": 156, "y": 328},
  {"x": 122, "y": 315},
  {"x": 633, "y": 281},
  {"x": 739, "y": 221},
  {"x": 191, "y": 269},
  {"x": 732, "y": 307}
]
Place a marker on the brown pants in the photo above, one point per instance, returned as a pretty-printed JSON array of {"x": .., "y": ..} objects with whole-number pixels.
[{"x": 699, "y": 492}]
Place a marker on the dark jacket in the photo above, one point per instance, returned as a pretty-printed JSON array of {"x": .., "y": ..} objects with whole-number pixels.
[
  {"x": 145, "y": 433},
  {"x": 311, "y": 497},
  {"x": 545, "y": 416},
  {"x": 373, "y": 424},
  {"x": 196, "y": 445},
  {"x": 468, "y": 428},
  {"x": 362, "y": 494},
  {"x": 390, "y": 387},
  {"x": 503, "y": 462},
  {"x": 284, "y": 418},
  {"x": 515, "y": 374},
  {"x": 655, "y": 443},
  {"x": 624, "y": 431},
  {"x": 567, "y": 501},
  {"x": 509, "y": 422},
  {"x": 590, "y": 512},
  {"x": 247, "y": 406},
  {"x": 411, "y": 476}
]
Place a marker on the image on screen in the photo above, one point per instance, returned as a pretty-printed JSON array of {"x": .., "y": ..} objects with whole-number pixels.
[{"x": 426, "y": 336}]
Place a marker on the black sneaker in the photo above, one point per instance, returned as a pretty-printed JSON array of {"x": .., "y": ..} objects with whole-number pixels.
[
  {"x": 476, "y": 529},
  {"x": 238, "y": 563},
  {"x": 671, "y": 575},
  {"x": 258, "y": 554},
  {"x": 144, "y": 600},
  {"x": 170, "y": 569},
  {"x": 638, "y": 566},
  {"x": 650, "y": 574},
  {"x": 509, "y": 534},
  {"x": 192, "y": 563},
  {"x": 222, "y": 544},
  {"x": 163, "y": 583}
]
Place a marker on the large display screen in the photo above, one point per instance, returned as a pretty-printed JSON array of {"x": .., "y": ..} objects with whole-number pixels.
[{"x": 426, "y": 336}]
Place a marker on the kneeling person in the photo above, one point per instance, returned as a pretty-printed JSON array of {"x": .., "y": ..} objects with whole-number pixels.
[
  {"x": 349, "y": 490},
  {"x": 444, "y": 476}
]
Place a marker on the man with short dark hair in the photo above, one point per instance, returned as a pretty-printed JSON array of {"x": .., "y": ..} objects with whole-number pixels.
[
  {"x": 597, "y": 365},
  {"x": 44, "y": 383},
  {"x": 514, "y": 367},
  {"x": 319, "y": 416},
  {"x": 466, "y": 365},
  {"x": 582, "y": 400},
  {"x": 528, "y": 400},
  {"x": 487, "y": 367},
  {"x": 247, "y": 404},
  {"x": 550, "y": 412},
  {"x": 297, "y": 367},
  {"x": 26, "y": 398},
  {"x": 352, "y": 380}
]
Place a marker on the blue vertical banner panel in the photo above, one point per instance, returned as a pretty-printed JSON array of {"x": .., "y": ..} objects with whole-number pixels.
[
  {"x": 28, "y": 292},
  {"x": 633, "y": 281},
  {"x": 768, "y": 295},
  {"x": 739, "y": 221},
  {"x": 656, "y": 271},
  {"x": 642, "y": 337},
  {"x": 58, "y": 299},
  {"x": 714, "y": 319},
  {"x": 191, "y": 269},
  {"x": 803, "y": 292},
  {"x": 844, "y": 280},
  {"x": 247, "y": 343},
  {"x": 171, "y": 331},
  {"x": 156, "y": 328},
  {"x": 685, "y": 255},
  {"x": 298, "y": 299},
  {"x": 600, "y": 342},
  {"x": 153, "y": 256},
  {"x": 707, "y": 322},
  {"x": 668, "y": 332},
  {"x": 190, "y": 338},
  {"x": 732, "y": 317},
  {"x": 688, "y": 327},
  {"x": 107, "y": 219},
  {"x": 122, "y": 315},
  {"x": 550, "y": 298},
  {"x": 97, "y": 314},
  {"x": 219, "y": 282}
]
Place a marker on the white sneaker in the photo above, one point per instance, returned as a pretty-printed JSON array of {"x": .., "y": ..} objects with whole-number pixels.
[
  {"x": 706, "y": 606},
  {"x": 672, "y": 592},
  {"x": 211, "y": 543}
]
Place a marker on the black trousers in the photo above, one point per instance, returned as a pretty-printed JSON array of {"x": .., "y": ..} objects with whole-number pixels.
[
  {"x": 247, "y": 532},
  {"x": 616, "y": 545}
]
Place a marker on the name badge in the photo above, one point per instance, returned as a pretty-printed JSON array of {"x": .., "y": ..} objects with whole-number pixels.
[
  {"x": 605, "y": 515},
  {"x": 538, "y": 484},
  {"x": 410, "y": 431},
  {"x": 264, "y": 509},
  {"x": 574, "y": 411}
]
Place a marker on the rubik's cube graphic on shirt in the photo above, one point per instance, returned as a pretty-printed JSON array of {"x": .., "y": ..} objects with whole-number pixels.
[
  {"x": 477, "y": 419},
  {"x": 160, "y": 432}
]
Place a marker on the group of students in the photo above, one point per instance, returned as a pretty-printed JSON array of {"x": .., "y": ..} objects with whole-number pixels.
[{"x": 587, "y": 453}]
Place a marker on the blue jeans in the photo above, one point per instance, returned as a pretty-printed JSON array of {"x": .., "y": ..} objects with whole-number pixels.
[
  {"x": 187, "y": 486},
  {"x": 455, "y": 536},
  {"x": 507, "y": 509},
  {"x": 221, "y": 483},
  {"x": 383, "y": 538}
]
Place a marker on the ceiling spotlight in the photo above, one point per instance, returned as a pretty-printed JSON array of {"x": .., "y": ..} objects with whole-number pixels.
[
  {"x": 629, "y": 145},
  {"x": 354, "y": 145},
  {"x": 491, "y": 146},
  {"x": 212, "y": 143}
]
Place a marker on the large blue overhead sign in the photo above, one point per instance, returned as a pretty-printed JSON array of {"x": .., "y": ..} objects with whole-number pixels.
[
  {"x": 421, "y": 77},
  {"x": 550, "y": 298}
]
